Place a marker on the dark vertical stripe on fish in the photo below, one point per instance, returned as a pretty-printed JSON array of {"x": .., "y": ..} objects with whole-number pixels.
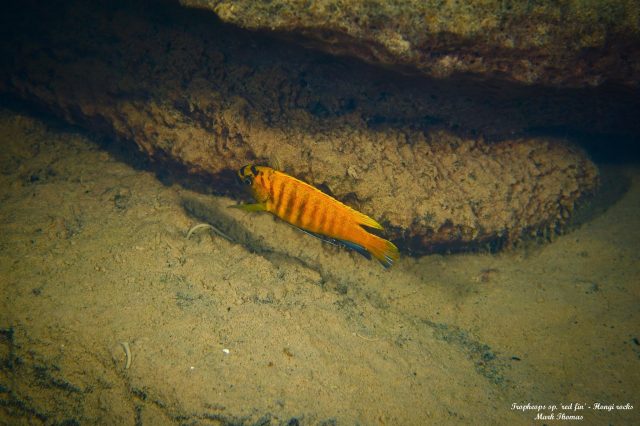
[
  {"x": 270, "y": 188},
  {"x": 299, "y": 211},
  {"x": 309, "y": 212},
  {"x": 291, "y": 201},
  {"x": 328, "y": 224},
  {"x": 319, "y": 218},
  {"x": 285, "y": 197},
  {"x": 294, "y": 212},
  {"x": 278, "y": 187}
]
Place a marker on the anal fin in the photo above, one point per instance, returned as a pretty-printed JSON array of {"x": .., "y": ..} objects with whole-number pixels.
[
  {"x": 336, "y": 242},
  {"x": 356, "y": 247}
]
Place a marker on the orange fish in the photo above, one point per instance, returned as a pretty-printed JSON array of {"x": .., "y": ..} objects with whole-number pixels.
[{"x": 315, "y": 212}]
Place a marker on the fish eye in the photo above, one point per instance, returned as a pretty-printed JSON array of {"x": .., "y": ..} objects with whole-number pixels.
[{"x": 247, "y": 180}]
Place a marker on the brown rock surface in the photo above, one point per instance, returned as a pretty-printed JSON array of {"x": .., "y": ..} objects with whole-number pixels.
[
  {"x": 572, "y": 43},
  {"x": 208, "y": 98}
]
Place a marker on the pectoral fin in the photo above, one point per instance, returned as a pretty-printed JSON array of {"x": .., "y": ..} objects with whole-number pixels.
[{"x": 257, "y": 207}]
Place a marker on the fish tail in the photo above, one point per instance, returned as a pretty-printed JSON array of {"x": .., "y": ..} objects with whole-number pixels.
[{"x": 385, "y": 251}]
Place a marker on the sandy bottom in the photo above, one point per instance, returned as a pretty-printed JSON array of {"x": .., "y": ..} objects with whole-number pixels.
[{"x": 110, "y": 314}]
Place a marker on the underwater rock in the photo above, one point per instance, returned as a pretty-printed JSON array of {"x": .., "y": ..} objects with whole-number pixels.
[
  {"x": 551, "y": 43},
  {"x": 209, "y": 99}
]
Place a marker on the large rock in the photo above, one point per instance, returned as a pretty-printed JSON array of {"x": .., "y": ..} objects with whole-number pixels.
[
  {"x": 566, "y": 43},
  {"x": 210, "y": 99}
]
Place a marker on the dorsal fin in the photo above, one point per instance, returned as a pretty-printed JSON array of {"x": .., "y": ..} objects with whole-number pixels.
[{"x": 365, "y": 220}]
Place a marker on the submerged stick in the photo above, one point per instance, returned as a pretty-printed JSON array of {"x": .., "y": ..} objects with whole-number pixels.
[
  {"x": 199, "y": 226},
  {"x": 127, "y": 352}
]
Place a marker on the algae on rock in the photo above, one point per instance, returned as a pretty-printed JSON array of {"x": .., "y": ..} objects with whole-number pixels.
[
  {"x": 209, "y": 99},
  {"x": 565, "y": 43}
]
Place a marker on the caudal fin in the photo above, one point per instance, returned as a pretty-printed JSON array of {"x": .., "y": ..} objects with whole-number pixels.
[{"x": 385, "y": 251}]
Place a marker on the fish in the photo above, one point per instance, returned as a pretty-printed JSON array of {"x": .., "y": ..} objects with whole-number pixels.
[{"x": 314, "y": 212}]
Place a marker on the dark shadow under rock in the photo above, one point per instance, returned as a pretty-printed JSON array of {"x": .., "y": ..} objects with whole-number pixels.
[{"x": 210, "y": 98}]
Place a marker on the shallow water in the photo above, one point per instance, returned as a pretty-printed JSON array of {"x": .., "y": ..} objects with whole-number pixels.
[{"x": 110, "y": 314}]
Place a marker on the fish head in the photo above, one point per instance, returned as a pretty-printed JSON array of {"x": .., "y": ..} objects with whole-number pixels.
[{"x": 253, "y": 178}]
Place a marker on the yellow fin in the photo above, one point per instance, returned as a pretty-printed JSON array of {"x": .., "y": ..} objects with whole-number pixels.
[
  {"x": 385, "y": 251},
  {"x": 365, "y": 220}
]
